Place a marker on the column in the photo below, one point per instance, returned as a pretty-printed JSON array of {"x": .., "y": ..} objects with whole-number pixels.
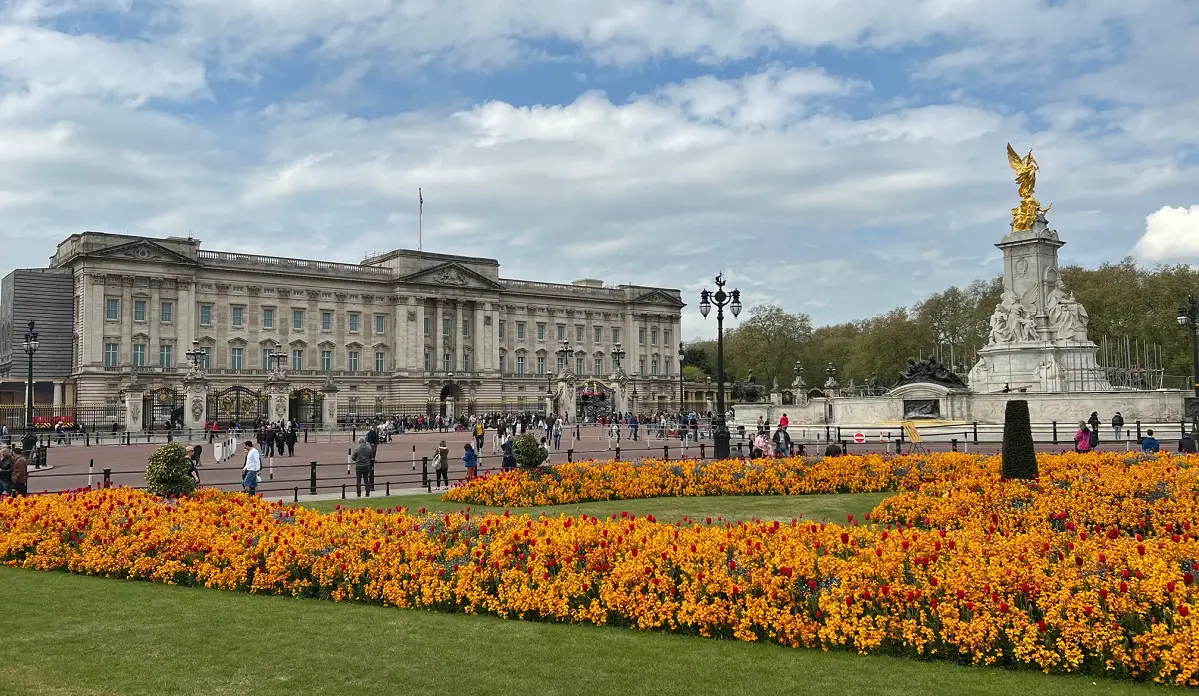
[
  {"x": 126, "y": 349},
  {"x": 480, "y": 357},
  {"x": 133, "y": 410},
  {"x": 185, "y": 320},
  {"x": 58, "y": 393},
  {"x": 195, "y": 404},
  {"x": 438, "y": 339},
  {"x": 456, "y": 333},
  {"x": 417, "y": 339},
  {"x": 153, "y": 322}
]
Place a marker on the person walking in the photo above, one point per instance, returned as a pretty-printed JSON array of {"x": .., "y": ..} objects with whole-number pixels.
[
  {"x": 363, "y": 456},
  {"x": 441, "y": 465},
  {"x": 509, "y": 462},
  {"x": 1093, "y": 421},
  {"x": 20, "y": 476},
  {"x": 478, "y": 431},
  {"x": 1083, "y": 438},
  {"x": 253, "y": 465},
  {"x": 1117, "y": 426},
  {"x": 6, "y": 470},
  {"x": 557, "y": 434}
]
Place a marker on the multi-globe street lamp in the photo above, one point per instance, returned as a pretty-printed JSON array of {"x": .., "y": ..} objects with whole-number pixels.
[
  {"x": 721, "y": 299},
  {"x": 30, "y": 345},
  {"x": 196, "y": 355},
  {"x": 275, "y": 359},
  {"x": 1188, "y": 318},
  {"x": 682, "y": 354}
]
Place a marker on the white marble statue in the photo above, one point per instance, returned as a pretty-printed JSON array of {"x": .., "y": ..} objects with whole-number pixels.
[
  {"x": 1011, "y": 321},
  {"x": 1049, "y": 375},
  {"x": 1067, "y": 316},
  {"x": 980, "y": 374}
]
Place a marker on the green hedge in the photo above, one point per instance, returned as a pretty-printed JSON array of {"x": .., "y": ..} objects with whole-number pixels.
[{"x": 1019, "y": 452}]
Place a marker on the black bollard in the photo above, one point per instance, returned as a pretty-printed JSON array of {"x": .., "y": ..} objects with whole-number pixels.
[
  {"x": 741, "y": 449},
  {"x": 975, "y": 426},
  {"x": 953, "y": 445},
  {"x": 107, "y": 478},
  {"x": 296, "y": 495},
  {"x": 702, "y": 453},
  {"x": 424, "y": 474},
  {"x": 305, "y": 437},
  {"x": 343, "y": 491},
  {"x": 388, "y": 486},
  {"x": 665, "y": 453},
  {"x": 618, "y": 453},
  {"x": 1055, "y": 432},
  {"x": 570, "y": 455},
  {"x": 1139, "y": 438},
  {"x": 312, "y": 478}
]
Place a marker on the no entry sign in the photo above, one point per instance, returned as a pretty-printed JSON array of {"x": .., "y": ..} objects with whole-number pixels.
[{"x": 859, "y": 437}]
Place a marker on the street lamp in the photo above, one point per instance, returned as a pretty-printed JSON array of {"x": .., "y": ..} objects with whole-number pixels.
[
  {"x": 30, "y": 345},
  {"x": 1188, "y": 318},
  {"x": 617, "y": 354},
  {"x": 196, "y": 354},
  {"x": 720, "y": 429},
  {"x": 275, "y": 359},
  {"x": 682, "y": 353}
]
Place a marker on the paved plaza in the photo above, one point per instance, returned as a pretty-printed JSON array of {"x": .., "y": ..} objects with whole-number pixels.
[{"x": 399, "y": 465}]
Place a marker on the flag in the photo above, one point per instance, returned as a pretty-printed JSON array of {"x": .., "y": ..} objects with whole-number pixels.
[{"x": 420, "y": 197}]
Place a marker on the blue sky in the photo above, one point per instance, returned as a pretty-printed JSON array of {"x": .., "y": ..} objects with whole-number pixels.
[{"x": 836, "y": 158}]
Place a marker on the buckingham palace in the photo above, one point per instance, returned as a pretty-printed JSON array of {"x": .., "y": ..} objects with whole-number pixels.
[{"x": 400, "y": 332}]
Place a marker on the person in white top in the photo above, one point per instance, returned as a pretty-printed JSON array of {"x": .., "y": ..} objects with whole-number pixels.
[{"x": 253, "y": 465}]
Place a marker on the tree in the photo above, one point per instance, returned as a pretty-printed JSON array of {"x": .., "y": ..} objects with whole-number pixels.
[
  {"x": 168, "y": 473},
  {"x": 702, "y": 356},
  {"x": 528, "y": 451},
  {"x": 768, "y": 342},
  {"x": 691, "y": 373},
  {"x": 1019, "y": 453}
]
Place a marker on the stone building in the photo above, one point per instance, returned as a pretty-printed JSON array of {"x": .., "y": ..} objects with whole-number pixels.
[{"x": 404, "y": 331}]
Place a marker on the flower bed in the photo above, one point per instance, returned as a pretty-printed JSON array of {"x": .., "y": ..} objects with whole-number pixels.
[
  {"x": 582, "y": 482},
  {"x": 1091, "y": 569}
]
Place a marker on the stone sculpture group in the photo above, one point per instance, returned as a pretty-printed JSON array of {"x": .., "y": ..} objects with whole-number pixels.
[{"x": 1013, "y": 322}]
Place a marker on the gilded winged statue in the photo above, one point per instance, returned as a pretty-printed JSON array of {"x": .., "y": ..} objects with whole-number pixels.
[{"x": 1026, "y": 178}]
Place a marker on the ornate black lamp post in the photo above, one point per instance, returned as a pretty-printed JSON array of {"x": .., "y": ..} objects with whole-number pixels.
[
  {"x": 682, "y": 354},
  {"x": 276, "y": 359},
  {"x": 1188, "y": 318},
  {"x": 617, "y": 355},
  {"x": 196, "y": 354},
  {"x": 720, "y": 429},
  {"x": 30, "y": 345}
]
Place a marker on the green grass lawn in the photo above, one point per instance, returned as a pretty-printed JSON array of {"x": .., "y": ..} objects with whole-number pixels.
[
  {"x": 65, "y": 634},
  {"x": 833, "y": 507}
]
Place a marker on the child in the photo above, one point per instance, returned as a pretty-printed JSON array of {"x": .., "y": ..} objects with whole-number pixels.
[{"x": 471, "y": 460}]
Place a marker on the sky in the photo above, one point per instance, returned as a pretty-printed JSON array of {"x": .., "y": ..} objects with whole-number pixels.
[{"x": 837, "y": 158}]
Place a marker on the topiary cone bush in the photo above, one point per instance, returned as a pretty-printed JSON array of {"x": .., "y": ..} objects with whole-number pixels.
[
  {"x": 1019, "y": 452},
  {"x": 167, "y": 472},
  {"x": 529, "y": 453}
]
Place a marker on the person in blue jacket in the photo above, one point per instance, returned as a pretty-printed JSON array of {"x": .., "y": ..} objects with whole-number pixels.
[
  {"x": 471, "y": 460},
  {"x": 1150, "y": 443}
]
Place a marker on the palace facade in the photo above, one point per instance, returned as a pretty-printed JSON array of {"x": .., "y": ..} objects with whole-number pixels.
[{"x": 401, "y": 330}]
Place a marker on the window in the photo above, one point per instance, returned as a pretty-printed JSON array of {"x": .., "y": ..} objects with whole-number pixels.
[
  {"x": 466, "y": 363},
  {"x": 326, "y": 360},
  {"x": 139, "y": 354},
  {"x": 641, "y": 367},
  {"x": 520, "y": 365},
  {"x": 167, "y": 312},
  {"x": 465, "y": 328},
  {"x": 297, "y": 360},
  {"x": 380, "y": 361},
  {"x": 541, "y": 364},
  {"x": 326, "y": 321},
  {"x": 428, "y": 323},
  {"x": 266, "y": 358},
  {"x": 599, "y": 366},
  {"x": 380, "y": 323},
  {"x": 112, "y": 309},
  {"x": 205, "y": 358},
  {"x": 235, "y": 358},
  {"x": 447, "y": 363},
  {"x": 615, "y": 335},
  {"x": 503, "y": 363},
  {"x": 164, "y": 355},
  {"x": 578, "y": 366},
  {"x": 427, "y": 357},
  {"x": 653, "y": 337},
  {"x": 653, "y": 367},
  {"x": 561, "y": 332},
  {"x": 205, "y": 315},
  {"x": 501, "y": 331},
  {"x": 297, "y": 320},
  {"x": 641, "y": 336},
  {"x": 541, "y": 332},
  {"x": 110, "y": 355},
  {"x": 578, "y": 334},
  {"x": 239, "y": 316},
  {"x": 139, "y": 310},
  {"x": 268, "y": 318},
  {"x": 666, "y": 367},
  {"x": 665, "y": 337},
  {"x": 445, "y": 326},
  {"x": 353, "y": 361},
  {"x": 599, "y": 334},
  {"x": 561, "y": 365},
  {"x": 520, "y": 330},
  {"x": 354, "y": 322}
]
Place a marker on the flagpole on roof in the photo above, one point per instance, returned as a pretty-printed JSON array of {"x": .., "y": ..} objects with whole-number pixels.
[{"x": 420, "y": 220}]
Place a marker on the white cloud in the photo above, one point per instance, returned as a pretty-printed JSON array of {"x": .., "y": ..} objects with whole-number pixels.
[{"x": 1171, "y": 235}]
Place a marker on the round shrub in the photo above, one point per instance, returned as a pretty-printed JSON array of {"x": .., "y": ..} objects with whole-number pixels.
[
  {"x": 529, "y": 453},
  {"x": 168, "y": 472}
]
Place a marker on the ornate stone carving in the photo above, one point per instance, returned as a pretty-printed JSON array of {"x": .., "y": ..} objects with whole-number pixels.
[
  {"x": 1012, "y": 322},
  {"x": 412, "y": 315},
  {"x": 222, "y": 288},
  {"x": 1049, "y": 375},
  {"x": 254, "y": 290},
  {"x": 340, "y": 296},
  {"x": 314, "y": 294},
  {"x": 450, "y": 276},
  {"x": 368, "y": 299},
  {"x": 1022, "y": 267},
  {"x": 487, "y": 320},
  {"x": 1067, "y": 316},
  {"x": 928, "y": 370},
  {"x": 135, "y": 410},
  {"x": 197, "y": 407},
  {"x": 280, "y": 408},
  {"x": 981, "y": 373},
  {"x": 283, "y": 292}
]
